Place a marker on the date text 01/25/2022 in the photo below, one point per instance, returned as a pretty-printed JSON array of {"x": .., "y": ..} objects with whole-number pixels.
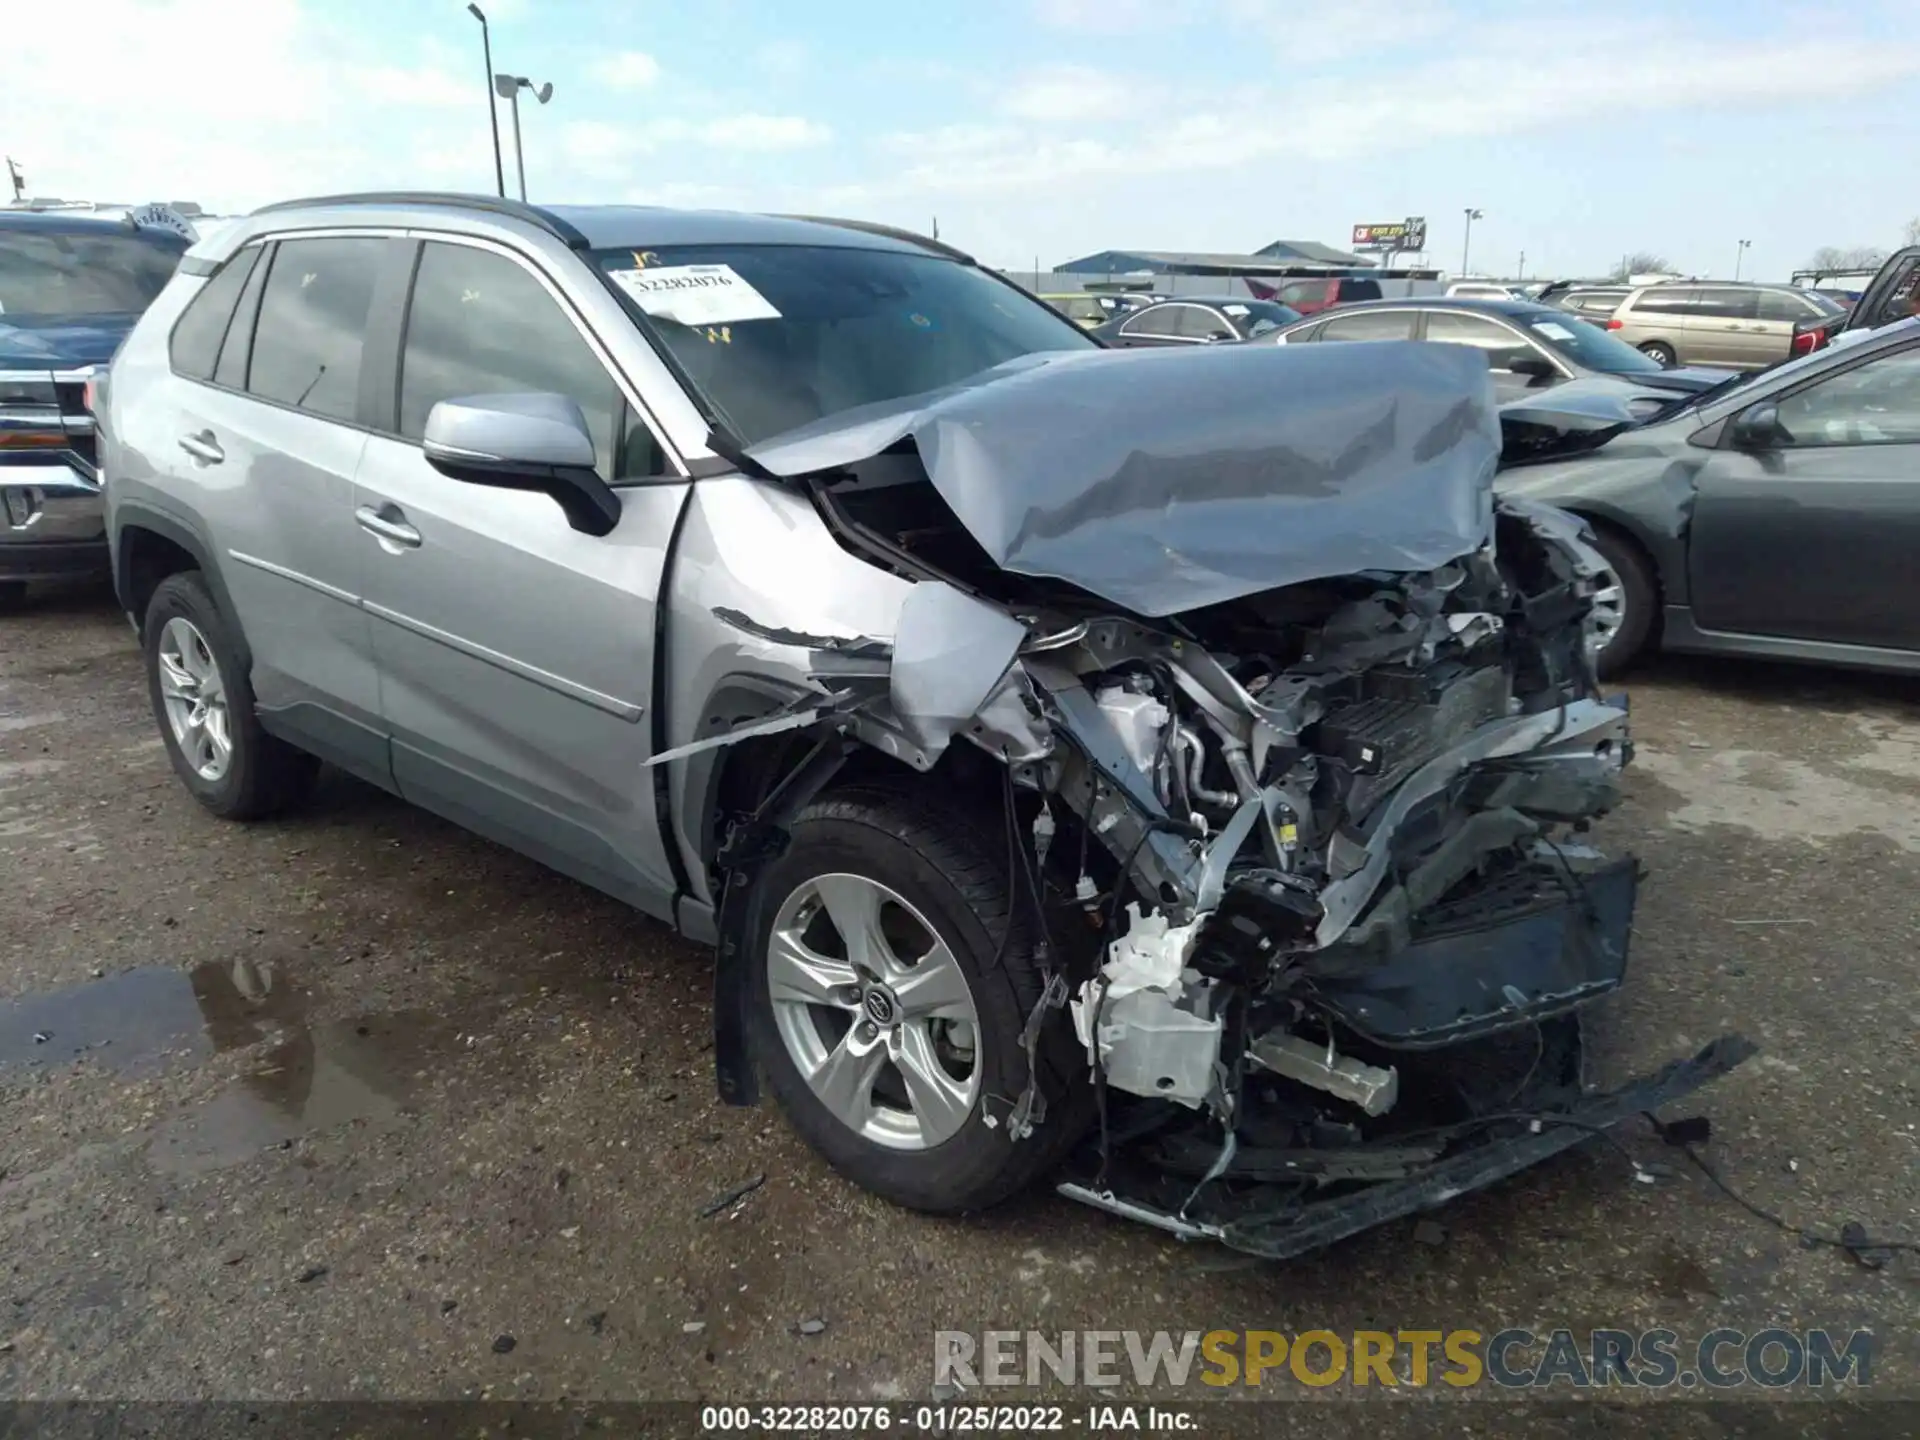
[{"x": 944, "y": 1419}]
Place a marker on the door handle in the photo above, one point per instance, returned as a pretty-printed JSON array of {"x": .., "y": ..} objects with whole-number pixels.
[
  {"x": 203, "y": 447},
  {"x": 389, "y": 532}
]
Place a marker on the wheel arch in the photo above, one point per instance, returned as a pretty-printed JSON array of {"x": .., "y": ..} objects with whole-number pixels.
[{"x": 148, "y": 546}]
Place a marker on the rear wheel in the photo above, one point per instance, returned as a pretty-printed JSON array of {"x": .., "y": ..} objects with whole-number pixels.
[
  {"x": 1626, "y": 602},
  {"x": 886, "y": 1013},
  {"x": 1661, "y": 351},
  {"x": 203, "y": 700}
]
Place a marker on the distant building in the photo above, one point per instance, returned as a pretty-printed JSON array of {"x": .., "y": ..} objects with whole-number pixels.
[{"x": 1280, "y": 255}]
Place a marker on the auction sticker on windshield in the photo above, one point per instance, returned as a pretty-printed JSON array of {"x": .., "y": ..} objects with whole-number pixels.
[
  {"x": 695, "y": 294},
  {"x": 1553, "y": 329}
]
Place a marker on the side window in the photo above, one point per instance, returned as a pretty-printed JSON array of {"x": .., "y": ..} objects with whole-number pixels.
[
  {"x": 238, "y": 346},
  {"x": 313, "y": 318},
  {"x": 1666, "y": 300},
  {"x": 1877, "y": 403},
  {"x": 480, "y": 324},
  {"x": 1779, "y": 305},
  {"x": 1158, "y": 320},
  {"x": 1201, "y": 322},
  {"x": 194, "y": 348},
  {"x": 1369, "y": 325},
  {"x": 1499, "y": 344},
  {"x": 1727, "y": 304}
]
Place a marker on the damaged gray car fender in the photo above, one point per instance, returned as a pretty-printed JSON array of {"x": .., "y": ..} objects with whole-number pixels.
[{"x": 776, "y": 629}]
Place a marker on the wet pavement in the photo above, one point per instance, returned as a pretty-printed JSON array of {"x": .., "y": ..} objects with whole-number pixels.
[{"x": 327, "y": 1107}]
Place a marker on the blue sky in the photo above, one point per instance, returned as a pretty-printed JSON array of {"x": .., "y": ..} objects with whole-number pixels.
[{"x": 1046, "y": 128}]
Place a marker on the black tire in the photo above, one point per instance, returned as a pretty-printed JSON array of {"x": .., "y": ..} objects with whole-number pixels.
[
  {"x": 266, "y": 776},
  {"x": 929, "y": 854},
  {"x": 13, "y": 594},
  {"x": 1661, "y": 351},
  {"x": 1640, "y": 597}
]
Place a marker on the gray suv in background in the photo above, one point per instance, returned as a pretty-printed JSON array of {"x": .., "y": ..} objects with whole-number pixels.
[
  {"x": 1736, "y": 327},
  {"x": 1004, "y": 710}
]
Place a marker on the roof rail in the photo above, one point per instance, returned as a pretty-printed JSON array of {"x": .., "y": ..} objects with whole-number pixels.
[
  {"x": 892, "y": 232},
  {"x": 491, "y": 204}
]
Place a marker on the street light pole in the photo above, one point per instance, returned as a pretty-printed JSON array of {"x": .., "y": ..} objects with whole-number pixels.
[
  {"x": 508, "y": 87},
  {"x": 1466, "y": 244},
  {"x": 1739, "y": 257},
  {"x": 493, "y": 115}
]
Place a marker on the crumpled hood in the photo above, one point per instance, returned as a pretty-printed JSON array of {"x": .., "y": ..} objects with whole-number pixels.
[
  {"x": 1581, "y": 415},
  {"x": 1166, "y": 480},
  {"x": 60, "y": 342}
]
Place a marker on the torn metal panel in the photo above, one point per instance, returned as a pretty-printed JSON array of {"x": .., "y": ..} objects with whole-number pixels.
[
  {"x": 950, "y": 653},
  {"x": 1212, "y": 474}
]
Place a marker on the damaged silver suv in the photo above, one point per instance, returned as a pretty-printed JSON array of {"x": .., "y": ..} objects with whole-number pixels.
[{"x": 1160, "y": 772}]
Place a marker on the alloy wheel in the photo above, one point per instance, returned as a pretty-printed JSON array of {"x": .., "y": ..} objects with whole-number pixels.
[
  {"x": 195, "y": 699},
  {"x": 875, "y": 1011},
  {"x": 1609, "y": 612}
]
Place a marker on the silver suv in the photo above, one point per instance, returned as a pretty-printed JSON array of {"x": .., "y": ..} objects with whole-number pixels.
[{"x": 1077, "y": 758}]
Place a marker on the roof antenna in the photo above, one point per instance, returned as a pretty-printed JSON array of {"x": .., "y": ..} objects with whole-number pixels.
[{"x": 19, "y": 180}]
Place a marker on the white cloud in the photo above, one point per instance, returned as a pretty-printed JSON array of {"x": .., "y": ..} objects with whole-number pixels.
[
  {"x": 763, "y": 132},
  {"x": 627, "y": 70},
  {"x": 423, "y": 85},
  {"x": 1071, "y": 92},
  {"x": 1103, "y": 16}
]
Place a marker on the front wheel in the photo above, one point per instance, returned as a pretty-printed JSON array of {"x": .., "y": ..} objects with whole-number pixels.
[
  {"x": 891, "y": 972},
  {"x": 1626, "y": 603}
]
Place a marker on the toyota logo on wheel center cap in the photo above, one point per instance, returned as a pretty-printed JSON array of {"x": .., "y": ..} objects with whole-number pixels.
[{"x": 879, "y": 1007}]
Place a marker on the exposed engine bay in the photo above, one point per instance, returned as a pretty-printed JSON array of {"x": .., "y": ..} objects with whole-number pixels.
[{"x": 1310, "y": 858}]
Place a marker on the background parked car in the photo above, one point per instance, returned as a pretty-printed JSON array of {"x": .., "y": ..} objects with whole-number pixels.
[
  {"x": 1746, "y": 327},
  {"x": 1891, "y": 296},
  {"x": 1479, "y": 290},
  {"x": 1528, "y": 346},
  {"x": 1590, "y": 302},
  {"x": 1777, "y": 516},
  {"x": 1090, "y": 309},
  {"x": 1196, "y": 321},
  {"x": 71, "y": 287},
  {"x": 1312, "y": 295}
]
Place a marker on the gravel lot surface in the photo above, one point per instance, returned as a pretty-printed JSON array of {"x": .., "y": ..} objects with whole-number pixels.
[{"x": 355, "y": 1105}]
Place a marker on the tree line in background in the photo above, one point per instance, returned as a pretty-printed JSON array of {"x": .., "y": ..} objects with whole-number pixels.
[
  {"x": 1829, "y": 258},
  {"x": 1860, "y": 257}
]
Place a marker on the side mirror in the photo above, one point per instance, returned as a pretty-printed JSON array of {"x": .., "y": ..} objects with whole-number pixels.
[
  {"x": 1757, "y": 428},
  {"x": 523, "y": 442},
  {"x": 1536, "y": 368}
]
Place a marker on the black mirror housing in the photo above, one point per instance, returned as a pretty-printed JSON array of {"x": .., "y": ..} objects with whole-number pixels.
[{"x": 1757, "y": 428}]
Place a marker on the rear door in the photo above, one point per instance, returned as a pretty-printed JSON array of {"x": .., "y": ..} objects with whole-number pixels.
[
  {"x": 267, "y": 446},
  {"x": 516, "y": 653},
  {"x": 1814, "y": 537},
  {"x": 1724, "y": 328}
]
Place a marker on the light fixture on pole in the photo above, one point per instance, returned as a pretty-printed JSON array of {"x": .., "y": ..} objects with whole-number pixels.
[
  {"x": 1466, "y": 244},
  {"x": 1739, "y": 257},
  {"x": 493, "y": 115},
  {"x": 508, "y": 87}
]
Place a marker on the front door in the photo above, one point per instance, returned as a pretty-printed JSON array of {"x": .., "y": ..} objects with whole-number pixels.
[
  {"x": 1814, "y": 537},
  {"x": 516, "y": 653}
]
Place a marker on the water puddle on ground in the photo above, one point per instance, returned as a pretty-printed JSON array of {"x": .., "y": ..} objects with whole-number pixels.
[{"x": 309, "y": 1076}]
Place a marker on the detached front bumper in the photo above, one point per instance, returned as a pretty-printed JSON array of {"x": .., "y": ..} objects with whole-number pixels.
[{"x": 52, "y": 524}]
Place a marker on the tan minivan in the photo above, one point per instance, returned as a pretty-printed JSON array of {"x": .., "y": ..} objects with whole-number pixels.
[{"x": 1739, "y": 327}]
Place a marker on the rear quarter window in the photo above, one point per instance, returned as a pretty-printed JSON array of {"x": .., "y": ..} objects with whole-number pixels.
[{"x": 194, "y": 348}]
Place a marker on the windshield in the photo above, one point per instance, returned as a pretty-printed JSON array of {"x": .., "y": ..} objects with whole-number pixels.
[
  {"x": 776, "y": 336},
  {"x": 56, "y": 273},
  {"x": 1586, "y": 345}
]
